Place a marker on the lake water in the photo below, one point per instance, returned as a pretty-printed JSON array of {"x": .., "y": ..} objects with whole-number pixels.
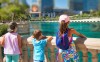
[{"x": 89, "y": 29}]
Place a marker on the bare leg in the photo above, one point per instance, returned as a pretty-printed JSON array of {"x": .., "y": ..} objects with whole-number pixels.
[{"x": 60, "y": 59}]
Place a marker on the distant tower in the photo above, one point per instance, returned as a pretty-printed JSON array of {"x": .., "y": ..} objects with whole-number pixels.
[
  {"x": 98, "y": 4},
  {"x": 71, "y": 4},
  {"x": 78, "y": 5},
  {"x": 35, "y": 8},
  {"x": 90, "y": 5},
  {"x": 41, "y": 6},
  {"x": 23, "y": 2},
  {"x": 47, "y": 6}
]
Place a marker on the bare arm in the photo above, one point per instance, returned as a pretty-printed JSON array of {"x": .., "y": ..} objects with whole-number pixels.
[
  {"x": 78, "y": 34},
  {"x": 20, "y": 43},
  {"x": 29, "y": 39},
  {"x": 2, "y": 40},
  {"x": 49, "y": 38}
]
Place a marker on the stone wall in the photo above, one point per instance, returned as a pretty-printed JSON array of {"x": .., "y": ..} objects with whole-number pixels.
[{"x": 23, "y": 27}]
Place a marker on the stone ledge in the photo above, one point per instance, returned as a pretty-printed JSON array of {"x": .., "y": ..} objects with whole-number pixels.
[
  {"x": 86, "y": 46},
  {"x": 91, "y": 43}
]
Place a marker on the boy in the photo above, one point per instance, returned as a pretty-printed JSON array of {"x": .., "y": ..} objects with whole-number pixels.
[{"x": 39, "y": 42}]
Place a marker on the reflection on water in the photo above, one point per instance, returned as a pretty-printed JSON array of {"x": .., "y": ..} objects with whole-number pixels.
[{"x": 90, "y": 29}]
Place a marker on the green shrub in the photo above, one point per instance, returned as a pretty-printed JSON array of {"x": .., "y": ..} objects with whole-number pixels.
[{"x": 3, "y": 29}]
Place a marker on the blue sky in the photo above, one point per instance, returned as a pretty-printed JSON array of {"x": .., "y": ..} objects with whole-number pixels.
[
  {"x": 61, "y": 4},
  {"x": 58, "y": 3}
]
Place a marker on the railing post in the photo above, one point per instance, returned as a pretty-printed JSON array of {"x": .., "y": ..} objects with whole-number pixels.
[
  {"x": 80, "y": 56},
  {"x": 1, "y": 58},
  {"x": 89, "y": 57},
  {"x": 49, "y": 54},
  {"x": 98, "y": 55}
]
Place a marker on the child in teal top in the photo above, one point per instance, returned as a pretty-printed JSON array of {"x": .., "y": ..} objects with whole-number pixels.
[{"x": 39, "y": 42}]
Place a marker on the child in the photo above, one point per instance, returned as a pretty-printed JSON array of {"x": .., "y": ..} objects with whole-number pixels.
[
  {"x": 39, "y": 42},
  {"x": 12, "y": 44},
  {"x": 70, "y": 54}
]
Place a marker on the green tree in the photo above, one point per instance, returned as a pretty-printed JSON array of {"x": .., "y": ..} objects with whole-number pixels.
[{"x": 13, "y": 10}]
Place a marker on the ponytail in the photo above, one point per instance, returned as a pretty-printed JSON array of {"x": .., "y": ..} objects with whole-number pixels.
[{"x": 63, "y": 27}]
